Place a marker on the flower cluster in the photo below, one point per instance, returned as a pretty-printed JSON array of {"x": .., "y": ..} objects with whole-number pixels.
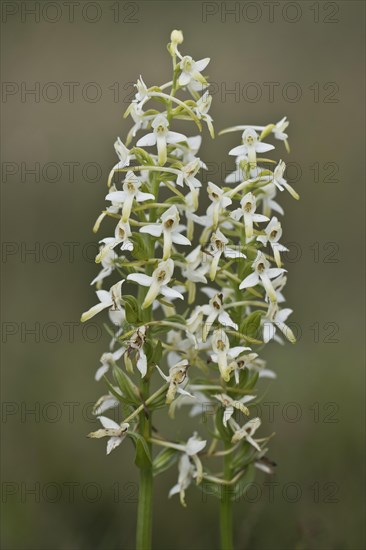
[{"x": 197, "y": 280}]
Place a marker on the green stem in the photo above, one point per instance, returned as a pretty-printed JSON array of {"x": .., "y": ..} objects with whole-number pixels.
[
  {"x": 144, "y": 510},
  {"x": 226, "y": 517}
]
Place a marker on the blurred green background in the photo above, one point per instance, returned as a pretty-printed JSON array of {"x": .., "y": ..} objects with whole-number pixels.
[{"x": 81, "y": 499}]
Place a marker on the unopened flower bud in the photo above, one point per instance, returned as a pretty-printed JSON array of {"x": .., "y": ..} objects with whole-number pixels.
[{"x": 176, "y": 37}]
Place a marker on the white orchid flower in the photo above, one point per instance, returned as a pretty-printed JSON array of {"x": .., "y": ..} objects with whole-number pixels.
[
  {"x": 178, "y": 347},
  {"x": 248, "y": 207},
  {"x": 122, "y": 152},
  {"x": 108, "y": 266},
  {"x": 239, "y": 173},
  {"x": 115, "y": 205},
  {"x": 170, "y": 229},
  {"x": 112, "y": 209},
  {"x": 141, "y": 120},
  {"x": 254, "y": 363},
  {"x": 241, "y": 362},
  {"x": 230, "y": 353},
  {"x": 230, "y": 405},
  {"x": 177, "y": 375},
  {"x": 187, "y": 174},
  {"x": 219, "y": 200},
  {"x": 194, "y": 272},
  {"x": 142, "y": 94},
  {"x": 157, "y": 283},
  {"x": 202, "y": 107},
  {"x": 115, "y": 432},
  {"x": 246, "y": 432},
  {"x": 222, "y": 352},
  {"x": 268, "y": 202},
  {"x": 214, "y": 310},
  {"x": 111, "y": 299},
  {"x": 191, "y": 70},
  {"x": 251, "y": 146},
  {"x": 279, "y": 131},
  {"x": 136, "y": 344},
  {"x": 279, "y": 284},
  {"x": 190, "y": 206},
  {"x": 184, "y": 348},
  {"x": 108, "y": 359},
  {"x": 263, "y": 273},
  {"x": 161, "y": 137},
  {"x": 273, "y": 234},
  {"x": 195, "y": 320},
  {"x": 106, "y": 402},
  {"x": 280, "y": 181},
  {"x": 124, "y": 156},
  {"x": 186, "y": 151},
  {"x": 131, "y": 191},
  {"x": 121, "y": 237},
  {"x": 189, "y": 467},
  {"x": 263, "y": 463},
  {"x": 276, "y": 319},
  {"x": 219, "y": 246}
]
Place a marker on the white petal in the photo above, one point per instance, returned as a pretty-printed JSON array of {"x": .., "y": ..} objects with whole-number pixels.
[
  {"x": 183, "y": 79},
  {"x": 259, "y": 218},
  {"x": 141, "y": 197},
  {"x": 153, "y": 229},
  {"x": 108, "y": 423},
  {"x": 266, "y": 373},
  {"x": 142, "y": 363},
  {"x": 263, "y": 147},
  {"x": 234, "y": 352},
  {"x": 147, "y": 141},
  {"x": 237, "y": 214},
  {"x": 202, "y": 64},
  {"x": 93, "y": 311},
  {"x": 140, "y": 278},
  {"x": 174, "y": 490},
  {"x": 268, "y": 331},
  {"x": 166, "y": 378},
  {"x": 226, "y": 321},
  {"x": 275, "y": 272},
  {"x": 280, "y": 247},
  {"x": 118, "y": 354},
  {"x": 101, "y": 372},
  {"x": 170, "y": 293},
  {"x": 184, "y": 392},
  {"x": 175, "y": 137},
  {"x": 104, "y": 297},
  {"x": 116, "y": 196},
  {"x": 252, "y": 442},
  {"x": 262, "y": 239},
  {"x": 180, "y": 239},
  {"x": 226, "y": 202},
  {"x": 232, "y": 253},
  {"x": 283, "y": 314},
  {"x": 113, "y": 443},
  {"x": 249, "y": 281},
  {"x": 194, "y": 446},
  {"x": 237, "y": 151}
]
